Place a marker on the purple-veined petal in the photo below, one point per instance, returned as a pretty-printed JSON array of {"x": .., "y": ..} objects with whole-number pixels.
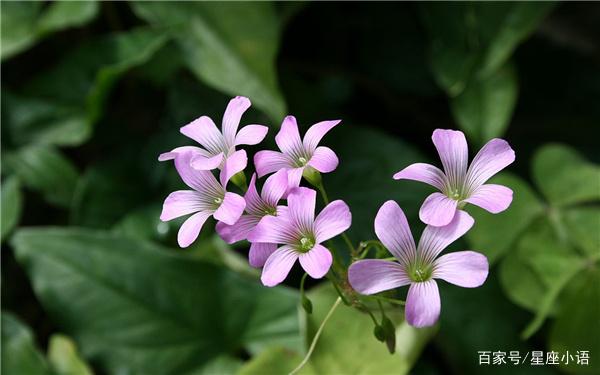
[
  {"x": 204, "y": 131},
  {"x": 454, "y": 153},
  {"x": 288, "y": 138},
  {"x": 278, "y": 266},
  {"x": 468, "y": 269},
  {"x": 190, "y": 229},
  {"x": 275, "y": 187},
  {"x": 491, "y": 197},
  {"x": 251, "y": 135},
  {"x": 254, "y": 203},
  {"x": 294, "y": 177},
  {"x": 202, "y": 181},
  {"x": 231, "y": 119},
  {"x": 324, "y": 160},
  {"x": 317, "y": 261},
  {"x": 392, "y": 229},
  {"x": 423, "y": 172},
  {"x": 273, "y": 229},
  {"x": 230, "y": 209},
  {"x": 268, "y": 161},
  {"x": 235, "y": 163},
  {"x": 201, "y": 162},
  {"x": 238, "y": 231},
  {"x": 316, "y": 132},
  {"x": 375, "y": 275},
  {"x": 435, "y": 239},
  {"x": 176, "y": 151},
  {"x": 301, "y": 208},
  {"x": 334, "y": 219},
  {"x": 491, "y": 159},
  {"x": 182, "y": 202},
  {"x": 437, "y": 210},
  {"x": 259, "y": 253},
  {"x": 423, "y": 304}
]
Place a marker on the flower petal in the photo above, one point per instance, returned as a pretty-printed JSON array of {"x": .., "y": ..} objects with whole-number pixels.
[
  {"x": 201, "y": 162},
  {"x": 294, "y": 177},
  {"x": 231, "y": 119},
  {"x": 316, "y": 132},
  {"x": 273, "y": 229},
  {"x": 334, "y": 219},
  {"x": 268, "y": 161},
  {"x": 176, "y": 151},
  {"x": 230, "y": 209},
  {"x": 254, "y": 203},
  {"x": 301, "y": 208},
  {"x": 204, "y": 131},
  {"x": 251, "y": 135},
  {"x": 235, "y": 163},
  {"x": 435, "y": 239},
  {"x": 190, "y": 229},
  {"x": 288, "y": 138},
  {"x": 238, "y": 231},
  {"x": 491, "y": 159},
  {"x": 182, "y": 202},
  {"x": 375, "y": 275},
  {"x": 202, "y": 181},
  {"x": 260, "y": 252},
  {"x": 468, "y": 269},
  {"x": 423, "y": 304},
  {"x": 317, "y": 261},
  {"x": 437, "y": 210},
  {"x": 454, "y": 153},
  {"x": 278, "y": 265},
  {"x": 275, "y": 187},
  {"x": 324, "y": 160},
  {"x": 491, "y": 197},
  {"x": 423, "y": 172},
  {"x": 391, "y": 227}
]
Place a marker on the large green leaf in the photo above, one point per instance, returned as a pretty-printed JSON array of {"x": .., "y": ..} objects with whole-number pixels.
[
  {"x": 484, "y": 109},
  {"x": 494, "y": 235},
  {"x": 231, "y": 55},
  {"x": 581, "y": 224},
  {"x": 134, "y": 307},
  {"x": 19, "y": 352},
  {"x": 564, "y": 176},
  {"x": 368, "y": 159},
  {"x": 12, "y": 202},
  {"x": 46, "y": 170},
  {"x": 25, "y": 22}
]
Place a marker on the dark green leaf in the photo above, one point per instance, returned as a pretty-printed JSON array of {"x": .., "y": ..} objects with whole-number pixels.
[
  {"x": 564, "y": 176},
  {"x": 19, "y": 353},
  {"x": 134, "y": 307},
  {"x": 582, "y": 226},
  {"x": 232, "y": 56},
  {"x": 12, "y": 202},
  {"x": 46, "y": 170}
]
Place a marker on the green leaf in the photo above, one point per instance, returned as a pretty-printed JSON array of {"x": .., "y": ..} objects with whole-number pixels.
[
  {"x": 134, "y": 307},
  {"x": 63, "y": 357},
  {"x": 23, "y": 23},
  {"x": 276, "y": 360},
  {"x": 484, "y": 109},
  {"x": 564, "y": 176},
  {"x": 494, "y": 235},
  {"x": 46, "y": 170},
  {"x": 576, "y": 326},
  {"x": 232, "y": 56},
  {"x": 19, "y": 353},
  {"x": 582, "y": 225},
  {"x": 368, "y": 159},
  {"x": 12, "y": 204}
]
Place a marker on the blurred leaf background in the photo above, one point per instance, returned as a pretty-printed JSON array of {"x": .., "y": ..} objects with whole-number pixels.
[{"x": 92, "y": 92}]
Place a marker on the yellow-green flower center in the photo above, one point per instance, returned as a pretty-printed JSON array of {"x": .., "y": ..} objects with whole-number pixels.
[{"x": 306, "y": 243}]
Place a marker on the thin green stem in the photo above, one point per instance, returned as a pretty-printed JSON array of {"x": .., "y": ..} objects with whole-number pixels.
[{"x": 316, "y": 337}]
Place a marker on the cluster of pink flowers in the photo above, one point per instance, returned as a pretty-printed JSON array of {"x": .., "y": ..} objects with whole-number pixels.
[{"x": 280, "y": 221}]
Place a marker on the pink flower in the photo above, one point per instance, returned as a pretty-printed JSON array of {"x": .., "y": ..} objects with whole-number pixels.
[
  {"x": 257, "y": 207},
  {"x": 297, "y": 154},
  {"x": 418, "y": 266},
  {"x": 217, "y": 145},
  {"x": 459, "y": 185},
  {"x": 301, "y": 235},
  {"x": 208, "y": 197}
]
